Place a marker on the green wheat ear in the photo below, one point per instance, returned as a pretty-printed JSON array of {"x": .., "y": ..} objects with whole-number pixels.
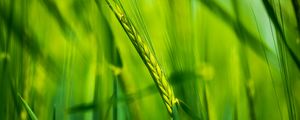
[{"x": 148, "y": 58}]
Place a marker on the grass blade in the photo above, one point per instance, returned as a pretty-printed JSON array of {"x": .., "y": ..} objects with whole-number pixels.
[
  {"x": 243, "y": 57},
  {"x": 271, "y": 12},
  {"x": 81, "y": 108},
  {"x": 283, "y": 40},
  {"x": 188, "y": 111},
  {"x": 252, "y": 41},
  {"x": 63, "y": 24},
  {"x": 28, "y": 109},
  {"x": 296, "y": 6}
]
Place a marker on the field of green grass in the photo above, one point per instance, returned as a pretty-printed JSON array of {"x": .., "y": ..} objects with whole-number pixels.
[{"x": 149, "y": 59}]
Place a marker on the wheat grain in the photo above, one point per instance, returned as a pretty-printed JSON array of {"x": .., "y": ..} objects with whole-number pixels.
[{"x": 149, "y": 60}]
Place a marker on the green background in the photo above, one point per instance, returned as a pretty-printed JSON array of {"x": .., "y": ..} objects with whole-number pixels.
[{"x": 225, "y": 59}]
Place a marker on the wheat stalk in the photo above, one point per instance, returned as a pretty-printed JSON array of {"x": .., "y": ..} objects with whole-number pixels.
[{"x": 149, "y": 60}]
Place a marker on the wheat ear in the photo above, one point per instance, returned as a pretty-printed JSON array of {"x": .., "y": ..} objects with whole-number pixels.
[{"x": 149, "y": 60}]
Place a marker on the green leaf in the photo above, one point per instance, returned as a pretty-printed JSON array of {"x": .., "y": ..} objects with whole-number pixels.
[
  {"x": 81, "y": 108},
  {"x": 188, "y": 111},
  {"x": 28, "y": 109}
]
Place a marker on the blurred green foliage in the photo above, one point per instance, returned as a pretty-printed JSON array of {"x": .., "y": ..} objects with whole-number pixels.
[{"x": 226, "y": 59}]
